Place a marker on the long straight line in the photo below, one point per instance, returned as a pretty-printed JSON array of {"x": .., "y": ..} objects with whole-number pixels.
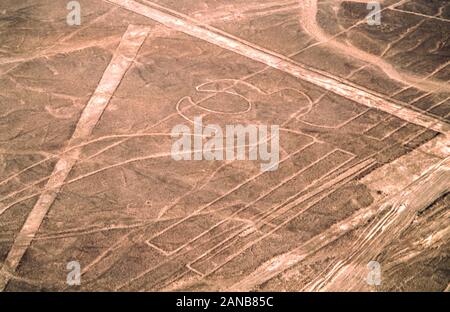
[
  {"x": 322, "y": 79},
  {"x": 283, "y": 262},
  {"x": 423, "y": 15},
  {"x": 128, "y": 48}
]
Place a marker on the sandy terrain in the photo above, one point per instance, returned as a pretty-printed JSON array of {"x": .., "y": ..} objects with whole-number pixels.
[{"x": 87, "y": 172}]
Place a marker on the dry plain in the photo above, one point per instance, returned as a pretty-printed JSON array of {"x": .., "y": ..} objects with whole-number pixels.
[{"x": 86, "y": 174}]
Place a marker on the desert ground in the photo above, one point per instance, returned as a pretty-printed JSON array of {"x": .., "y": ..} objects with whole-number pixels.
[{"x": 359, "y": 200}]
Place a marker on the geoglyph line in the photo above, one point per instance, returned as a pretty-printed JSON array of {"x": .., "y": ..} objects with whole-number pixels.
[
  {"x": 263, "y": 195},
  {"x": 128, "y": 48},
  {"x": 422, "y": 15},
  {"x": 324, "y": 80},
  {"x": 279, "y": 264}
]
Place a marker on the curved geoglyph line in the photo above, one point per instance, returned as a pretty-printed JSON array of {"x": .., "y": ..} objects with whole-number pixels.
[
  {"x": 324, "y": 80},
  {"x": 308, "y": 19},
  {"x": 228, "y": 90}
]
